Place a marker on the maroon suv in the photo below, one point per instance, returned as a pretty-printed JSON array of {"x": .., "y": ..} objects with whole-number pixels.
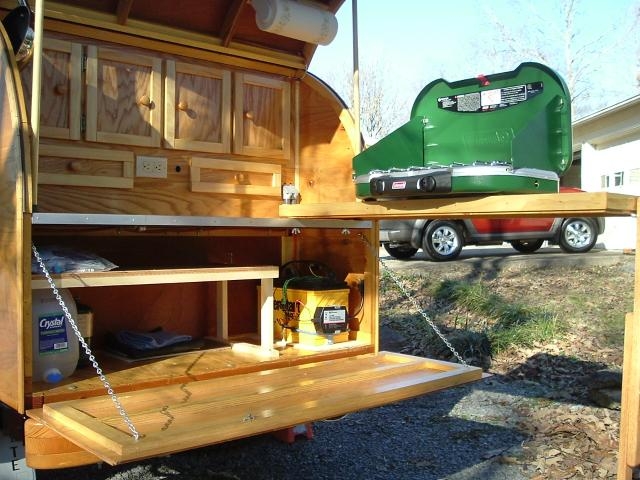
[{"x": 443, "y": 240}]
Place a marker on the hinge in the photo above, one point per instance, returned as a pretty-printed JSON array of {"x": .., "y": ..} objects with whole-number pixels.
[
  {"x": 83, "y": 123},
  {"x": 84, "y": 63}
]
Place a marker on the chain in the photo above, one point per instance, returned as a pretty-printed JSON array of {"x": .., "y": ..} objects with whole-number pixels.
[
  {"x": 87, "y": 349},
  {"x": 398, "y": 283}
]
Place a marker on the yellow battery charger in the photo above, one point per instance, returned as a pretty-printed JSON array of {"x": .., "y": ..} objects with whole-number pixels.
[{"x": 311, "y": 317}]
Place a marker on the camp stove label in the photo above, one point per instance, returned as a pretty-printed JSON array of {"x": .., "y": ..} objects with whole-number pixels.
[
  {"x": 52, "y": 334},
  {"x": 490, "y": 100}
]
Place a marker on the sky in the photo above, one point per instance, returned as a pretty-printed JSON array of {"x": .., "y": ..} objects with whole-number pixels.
[{"x": 412, "y": 42}]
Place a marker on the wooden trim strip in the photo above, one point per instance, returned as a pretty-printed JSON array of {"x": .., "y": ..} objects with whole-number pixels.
[
  {"x": 495, "y": 206},
  {"x": 74, "y": 17},
  {"x": 231, "y": 21},
  {"x": 160, "y": 276}
]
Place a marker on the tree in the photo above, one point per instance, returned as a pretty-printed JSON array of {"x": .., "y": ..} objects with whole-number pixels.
[
  {"x": 381, "y": 108},
  {"x": 597, "y": 66}
]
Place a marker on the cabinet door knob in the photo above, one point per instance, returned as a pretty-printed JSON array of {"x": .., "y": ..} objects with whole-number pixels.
[
  {"x": 79, "y": 166},
  {"x": 248, "y": 115},
  {"x": 183, "y": 106},
  {"x": 145, "y": 101},
  {"x": 60, "y": 89}
]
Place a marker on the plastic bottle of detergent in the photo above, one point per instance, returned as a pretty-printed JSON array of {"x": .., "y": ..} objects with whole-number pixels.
[{"x": 55, "y": 345}]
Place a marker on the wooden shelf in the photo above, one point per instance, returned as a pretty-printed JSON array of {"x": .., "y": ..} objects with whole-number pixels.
[
  {"x": 222, "y": 275},
  {"x": 155, "y": 277},
  {"x": 504, "y": 206}
]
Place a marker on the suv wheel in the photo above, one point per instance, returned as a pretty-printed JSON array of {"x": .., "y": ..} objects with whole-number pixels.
[
  {"x": 577, "y": 235},
  {"x": 442, "y": 240},
  {"x": 401, "y": 252},
  {"x": 527, "y": 246}
]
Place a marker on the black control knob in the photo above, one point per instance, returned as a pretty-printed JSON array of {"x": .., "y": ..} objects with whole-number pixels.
[{"x": 427, "y": 184}]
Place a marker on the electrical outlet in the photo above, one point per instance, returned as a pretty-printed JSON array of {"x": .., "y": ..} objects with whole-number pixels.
[{"x": 151, "y": 167}]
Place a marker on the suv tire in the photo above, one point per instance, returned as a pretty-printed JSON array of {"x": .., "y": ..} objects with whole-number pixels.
[
  {"x": 401, "y": 252},
  {"x": 443, "y": 240},
  {"x": 527, "y": 246},
  {"x": 577, "y": 235}
]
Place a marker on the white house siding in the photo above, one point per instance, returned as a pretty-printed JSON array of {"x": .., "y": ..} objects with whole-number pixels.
[{"x": 620, "y": 232}]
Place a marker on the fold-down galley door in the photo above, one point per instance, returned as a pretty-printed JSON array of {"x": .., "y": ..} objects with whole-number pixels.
[{"x": 180, "y": 417}]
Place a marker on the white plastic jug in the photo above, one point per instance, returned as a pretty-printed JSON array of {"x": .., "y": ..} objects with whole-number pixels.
[{"x": 55, "y": 345}]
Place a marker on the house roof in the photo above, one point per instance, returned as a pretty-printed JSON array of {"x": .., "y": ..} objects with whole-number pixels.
[
  {"x": 614, "y": 125},
  {"x": 215, "y": 26}
]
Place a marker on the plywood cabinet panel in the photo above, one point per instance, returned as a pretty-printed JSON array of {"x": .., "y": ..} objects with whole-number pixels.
[
  {"x": 123, "y": 97},
  {"x": 60, "y": 111},
  {"x": 197, "y": 108},
  {"x": 262, "y": 116}
]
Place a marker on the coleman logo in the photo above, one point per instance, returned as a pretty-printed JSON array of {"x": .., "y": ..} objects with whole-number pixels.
[
  {"x": 399, "y": 185},
  {"x": 49, "y": 323}
]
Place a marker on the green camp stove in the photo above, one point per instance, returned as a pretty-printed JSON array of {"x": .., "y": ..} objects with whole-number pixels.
[{"x": 503, "y": 133}]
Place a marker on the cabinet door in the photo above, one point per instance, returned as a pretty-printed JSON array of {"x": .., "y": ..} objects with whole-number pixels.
[
  {"x": 123, "y": 97},
  {"x": 197, "y": 108},
  {"x": 262, "y": 116},
  {"x": 61, "y": 89}
]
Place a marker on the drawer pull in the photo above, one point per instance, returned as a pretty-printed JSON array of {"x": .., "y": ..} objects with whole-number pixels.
[
  {"x": 145, "y": 101},
  {"x": 60, "y": 89}
]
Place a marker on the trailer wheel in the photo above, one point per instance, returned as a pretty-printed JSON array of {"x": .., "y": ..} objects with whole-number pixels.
[{"x": 443, "y": 240}]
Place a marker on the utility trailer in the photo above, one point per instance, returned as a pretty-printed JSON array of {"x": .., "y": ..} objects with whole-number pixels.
[{"x": 193, "y": 150}]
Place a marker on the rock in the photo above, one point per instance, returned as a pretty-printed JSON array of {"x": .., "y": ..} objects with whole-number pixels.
[
  {"x": 474, "y": 347},
  {"x": 391, "y": 340},
  {"x": 606, "y": 397},
  {"x": 605, "y": 388},
  {"x": 604, "y": 379}
]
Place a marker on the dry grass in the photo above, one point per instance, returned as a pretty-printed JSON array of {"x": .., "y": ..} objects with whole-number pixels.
[{"x": 578, "y": 310}]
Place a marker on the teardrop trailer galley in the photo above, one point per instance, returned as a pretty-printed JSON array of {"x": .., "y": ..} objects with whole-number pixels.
[{"x": 163, "y": 141}]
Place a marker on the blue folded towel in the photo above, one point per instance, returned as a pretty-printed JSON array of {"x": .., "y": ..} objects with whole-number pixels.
[{"x": 150, "y": 340}]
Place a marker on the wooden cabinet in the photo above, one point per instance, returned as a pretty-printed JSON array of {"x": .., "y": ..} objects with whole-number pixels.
[
  {"x": 124, "y": 97},
  {"x": 256, "y": 378},
  {"x": 262, "y": 111},
  {"x": 60, "y": 111},
  {"x": 124, "y": 103},
  {"x": 197, "y": 108}
]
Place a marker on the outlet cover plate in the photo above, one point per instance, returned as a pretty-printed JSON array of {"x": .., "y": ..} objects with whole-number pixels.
[{"x": 151, "y": 167}]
